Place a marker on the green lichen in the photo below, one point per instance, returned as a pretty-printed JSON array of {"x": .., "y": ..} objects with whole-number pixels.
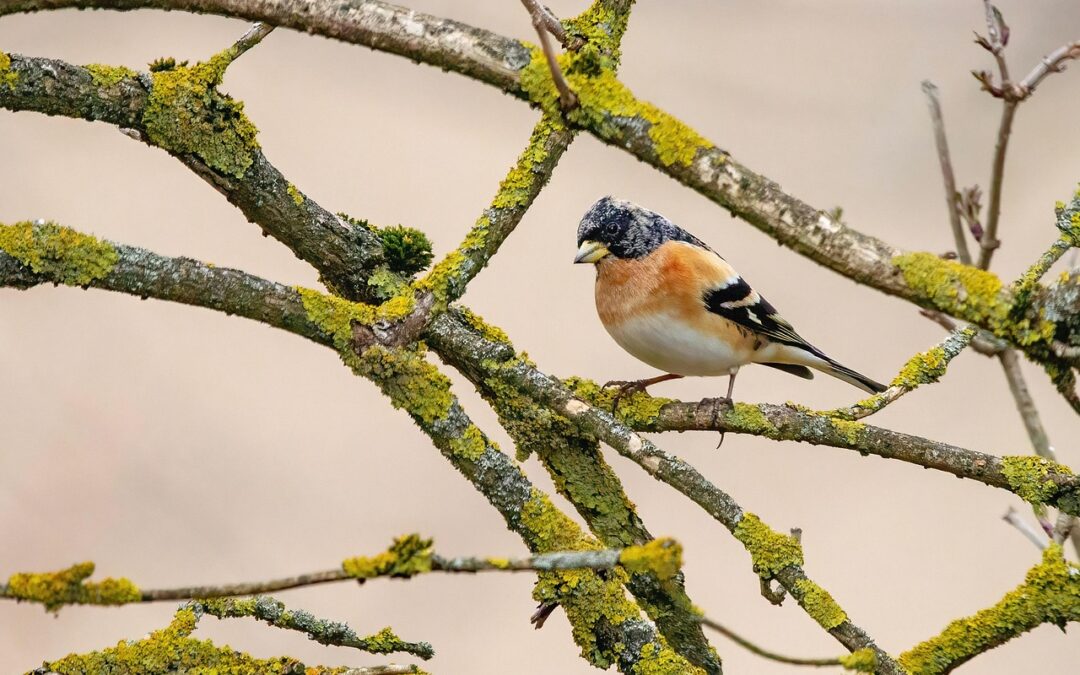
[
  {"x": 861, "y": 661},
  {"x": 848, "y": 429},
  {"x": 498, "y": 563},
  {"x": 173, "y": 650},
  {"x": 769, "y": 550},
  {"x": 819, "y": 604},
  {"x": 470, "y": 445},
  {"x": 603, "y": 99},
  {"x": 69, "y": 587},
  {"x": 7, "y": 75},
  {"x": 638, "y": 410},
  {"x": 384, "y": 642},
  {"x": 405, "y": 249},
  {"x": 336, "y": 315},
  {"x": 1029, "y": 477},
  {"x": 1050, "y": 594},
  {"x": 109, "y": 76},
  {"x": 662, "y": 557},
  {"x": 923, "y": 368},
  {"x": 186, "y": 114},
  {"x": 972, "y": 294},
  {"x": 412, "y": 383},
  {"x": 749, "y": 418},
  {"x": 659, "y": 659},
  {"x": 295, "y": 194},
  {"x": 407, "y": 556},
  {"x": 487, "y": 330},
  {"x": 165, "y": 63},
  {"x": 60, "y": 253}
]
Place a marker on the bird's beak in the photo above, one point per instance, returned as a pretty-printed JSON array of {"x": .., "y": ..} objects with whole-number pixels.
[{"x": 590, "y": 251}]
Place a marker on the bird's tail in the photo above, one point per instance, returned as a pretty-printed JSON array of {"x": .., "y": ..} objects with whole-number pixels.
[{"x": 841, "y": 372}]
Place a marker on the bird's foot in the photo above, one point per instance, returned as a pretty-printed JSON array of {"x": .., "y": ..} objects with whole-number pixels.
[{"x": 626, "y": 388}]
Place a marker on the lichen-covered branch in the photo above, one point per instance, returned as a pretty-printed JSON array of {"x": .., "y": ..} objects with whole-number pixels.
[
  {"x": 775, "y": 556},
  {"x": 173, "y": 650},
  {"x": 324, "y": 632},
  {"x": 1050, "y": 594}
]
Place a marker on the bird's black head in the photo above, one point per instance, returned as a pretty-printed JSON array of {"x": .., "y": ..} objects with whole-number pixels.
[{"x": 624, "y": 230}]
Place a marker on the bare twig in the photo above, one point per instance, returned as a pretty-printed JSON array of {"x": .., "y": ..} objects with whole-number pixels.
[
  {"x": 539, "y": 16},
  {"x": 761, "y": 651},
  {"x": 984, "y": 342},
  {"x": 248, "y": 40},
  {"x": 1054, "y": 62},
  {"x": 1034, "y": 536},
  {"x": 551, "y": 23},
  {"x": 951, "y": 194}
]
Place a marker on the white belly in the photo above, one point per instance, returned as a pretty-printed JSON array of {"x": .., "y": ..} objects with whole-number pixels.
[{"x": 673, "y": 346}]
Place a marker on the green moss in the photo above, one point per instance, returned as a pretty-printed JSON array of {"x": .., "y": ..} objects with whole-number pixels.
[
  {"x": 172, "y": 650},
  {"x": 769, "y": 550},
  {"x": 186, "y": 114},
  {"x": 165, "y": 63},
  {"x": 638, "y": 410},
  {"x": 295, "y": 194},
  {"x": 69, "y": 587},
  {"x": 862, "y": 661},
  {"x": 7, "y": 75},
  {"x": 487, "y": 330},
  {"x": 659, "y": 659},
  {"x": 602, "y": 99},
  {"x": 819, "y": 604},
  {"x": 470, "y": 445},
  {"x": 923, "y": 368},
  {"x": 60, "y": 253},
  {"x": 1050, "y": 594},
  {"x": 407, "y": 556},
  {"x": 405, "y": 249},
  {"x": 1029, "y": 477},
  {"x": 749, "y": 418},
  {"x": 971, "y": 294},
  {"x": 108, "y": 76},
  {"x": 662, "y": 557},
  {"x": 336, "y": 315}
]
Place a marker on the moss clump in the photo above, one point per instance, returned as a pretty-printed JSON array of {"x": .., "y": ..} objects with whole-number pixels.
[
  {"x": 603, "y": 99},
  {"x": 336, "y": 315},
  {"x": 69, "y": 587},
  {"x": 769, "y": 550},
  {"x": 819, "y": 604},
  {"x": 186, "y": 114},
  {"x": 109, "y": 76},
  {"x": 7, "y": 76},
  {"x": 173, "y": 650},
  {"x": 405, "y": 249},
  {"x": 1050, "y": 594},
  {"x": 862, "y": 661},
  {"x": 1029, "y": 477},
  {"x": 164, "y": 63},
  {"x": 662, "y": 557},
  {"x": 60, "y": 253},
  {"x": 295, "y": 194},
  {"x": 407, "y": 556},
  {"x": 971, "y": 294}
]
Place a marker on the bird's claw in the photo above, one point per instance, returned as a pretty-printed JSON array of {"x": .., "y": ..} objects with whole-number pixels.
[{"x": 626, "y": 388}]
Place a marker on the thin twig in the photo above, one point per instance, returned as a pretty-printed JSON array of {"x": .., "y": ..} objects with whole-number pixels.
[
  {"x": 248, "y": 40},
  {"x": 984, "y": 342},
  {"x": 761, "y": 651},
  {"x": 566, "y": 95},
  {"x": 989, "y": 242},
  {"x": 1034, "y": 536},
  {"x": 1054, "y": 62},
  {"x": 552, "y": 24},
  {"x": 951, "y": 194}
]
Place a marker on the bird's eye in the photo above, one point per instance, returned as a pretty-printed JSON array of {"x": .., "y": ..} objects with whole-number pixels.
[{"x": 611, "y": 229}]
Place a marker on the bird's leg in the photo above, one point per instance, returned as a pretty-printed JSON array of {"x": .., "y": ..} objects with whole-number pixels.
[
  {"x": 627, "y": 387},
  {"x": 728, "y": 400}
]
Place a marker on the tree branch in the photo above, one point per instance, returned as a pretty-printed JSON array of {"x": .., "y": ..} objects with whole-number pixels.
[
  {"x": 951, "y": 193},
  {"x": 765, "y": 653}
]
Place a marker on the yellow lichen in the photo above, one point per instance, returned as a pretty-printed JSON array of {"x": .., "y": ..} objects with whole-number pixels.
[
  {"x": 848, "y": 429},
  {"x": 487, "y": 330},
  {"x": 108, "y": 76},
  {"x": 186, "y": 114},
  {"x": 1029, "y": 477},
  {"x": 336, "y": 315},
  {"x": 69, "y": 587},
  {"x": 60, "y": 253},
  {"x": 1050, "y": 594},
  {"x": 410, "y": 381},
  {"x": 662, "y": 557},
  {"x": 7, "y": 75},
  {"x": 769, "y": 550},
  {"x": 862, "y": 661},
  {"x": 407, "y": 556},
  {"x": 295, "y": 194},
  {"x": 639, "y": 409},
  {"x": 749, "y": 418},
  {"x": 819, "y": 604}
]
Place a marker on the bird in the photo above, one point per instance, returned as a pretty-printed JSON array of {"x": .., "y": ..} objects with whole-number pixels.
[{"x": 672, "y": 302}]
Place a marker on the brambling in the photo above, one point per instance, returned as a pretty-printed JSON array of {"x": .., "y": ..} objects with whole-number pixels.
[{"x": 674, "y": 303}]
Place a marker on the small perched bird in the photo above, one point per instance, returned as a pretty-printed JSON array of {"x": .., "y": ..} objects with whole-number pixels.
[{"x": 674, "y": 303}]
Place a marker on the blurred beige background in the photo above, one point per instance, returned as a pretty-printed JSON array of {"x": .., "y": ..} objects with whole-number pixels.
[{"x": 178, "y": 446}]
